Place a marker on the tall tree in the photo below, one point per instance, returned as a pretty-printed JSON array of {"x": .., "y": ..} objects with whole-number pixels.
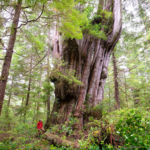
[
  {"x": 29, "y": 85},
  {"x": 100, "y": 36},
  {"x": 48, "y": 82},
  {"x": 8, "y": 57},
  {"x": 116, "y": 81},
  {"x": 10, "y": 94}
]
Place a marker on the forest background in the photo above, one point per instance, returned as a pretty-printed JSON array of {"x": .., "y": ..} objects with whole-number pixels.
[{"x": 29, "y": 93}]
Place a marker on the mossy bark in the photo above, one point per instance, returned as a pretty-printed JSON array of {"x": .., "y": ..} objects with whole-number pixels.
[
  {"x": 89, "y": 57},
  {"x": 56, "y": 140}
]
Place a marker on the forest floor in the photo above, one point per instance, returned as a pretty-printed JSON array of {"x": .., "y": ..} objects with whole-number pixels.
[
  {"x": 11, "y": 142},
  {"x": 58, "y": 139},
  {"x": 124, "y": 129}
]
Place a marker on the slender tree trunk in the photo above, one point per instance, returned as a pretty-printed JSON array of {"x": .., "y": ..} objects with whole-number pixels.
[
  {"x": 89, "y": 57},
  {"x": 125, "y": 86},
  {"x": 22, "y": 107},
  {"x": 39, "y": 95},
  {"x": 116, "y": 81},
  {"x": 8, "y": 104},
  {"x": 8, "y": 57},
  {"x": 48, "y": 89},
  {"x": 29, "y": 88},
  {"x": 136, "y": 96},
  {"x": 35, "y": 104},
  {"x": 109, "y": 93}
]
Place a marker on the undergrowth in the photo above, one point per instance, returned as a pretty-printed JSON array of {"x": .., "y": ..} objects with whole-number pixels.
[{"x": 127, "y": 128}]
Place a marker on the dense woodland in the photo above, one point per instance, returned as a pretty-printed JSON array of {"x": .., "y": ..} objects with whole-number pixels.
[{"x": 82, "y": 67}]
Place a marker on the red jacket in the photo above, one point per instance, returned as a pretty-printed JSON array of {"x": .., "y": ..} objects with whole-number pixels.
[{"x": 39, "y": 125}]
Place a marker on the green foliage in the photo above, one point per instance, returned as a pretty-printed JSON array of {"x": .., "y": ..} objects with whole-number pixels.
[
  {"x": 99, "y": 25},
  {"x": 107, "y": 16},
  {"x": 33, "y": 2},
  {"x": 64, "y": 128},
  {"x": 55, "y": 129},
  {"x": 134, "y": 126},
  {"x": 91, "y": 118},
  {"x": 24, "y": 2},
  {"x": 84, "y": 145},
  {"x": 88, "y": 11},
  {"x": 22, "y": 133},
  {"x": 28, "y": 129},
  {"x": 38, "y": 41},
  {"x": 68, "y": 75},
  {"x": 8, "y": 145},
  {"x": 71, "y": 20},
  {"x": 94, "y": 31}
]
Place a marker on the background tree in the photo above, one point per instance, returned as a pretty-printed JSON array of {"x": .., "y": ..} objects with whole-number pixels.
[
  {"x": 7, "y": 61},
  {"x": 116, "y": 81},
  {"x": 8, "y": 57}
]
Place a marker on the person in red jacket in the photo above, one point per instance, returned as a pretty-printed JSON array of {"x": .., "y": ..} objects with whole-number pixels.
[{"x": 40, "y": 126}]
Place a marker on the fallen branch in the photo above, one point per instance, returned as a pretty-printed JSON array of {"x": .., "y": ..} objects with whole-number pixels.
[{"x": 56, "y": 140}]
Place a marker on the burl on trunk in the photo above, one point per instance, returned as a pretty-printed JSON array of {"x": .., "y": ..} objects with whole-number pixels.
[{"x": 89, "y": 57}]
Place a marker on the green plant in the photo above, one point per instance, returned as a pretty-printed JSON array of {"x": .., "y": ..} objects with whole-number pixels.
[
  {"x": 91, "y": 119},
  {"x": 8, "y": 145},
  {"x": 134, "y": 128},
  {"x": 54, "y": 129}
]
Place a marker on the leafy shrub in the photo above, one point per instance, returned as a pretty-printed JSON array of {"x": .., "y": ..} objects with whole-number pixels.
[
  {"x": 8, "y": 145},
  {"x": 27, "y": 129},
  {"x": 134, "y": 127}
]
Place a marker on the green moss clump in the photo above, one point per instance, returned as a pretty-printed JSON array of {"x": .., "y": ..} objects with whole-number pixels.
[
  {"x": 106, "y": 15},
  {"x": 99, "y": 25},
  {"x": 94, "y": 31},
  {"x": 93, "y": 124}
]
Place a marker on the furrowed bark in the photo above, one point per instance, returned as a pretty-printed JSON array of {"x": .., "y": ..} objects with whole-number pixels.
[
  {"x": 8, "y": 57},
  {"x": 96, "y": 70},
  {"x": 89, "y": 57},
  {"x": 83, "y": 89}
]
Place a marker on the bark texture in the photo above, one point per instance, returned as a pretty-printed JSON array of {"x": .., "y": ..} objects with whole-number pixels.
[
  {"x": 116, "y": 82},
  {"x": 89, "y": 57},
  {"x": 8, "y": 57}
]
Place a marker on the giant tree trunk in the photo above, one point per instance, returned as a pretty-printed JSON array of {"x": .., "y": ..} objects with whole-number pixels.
[
  {"x": 116, "y": 81},
  {"x": 8, "y": 57},
  {"x": 89, "y": 57}
]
